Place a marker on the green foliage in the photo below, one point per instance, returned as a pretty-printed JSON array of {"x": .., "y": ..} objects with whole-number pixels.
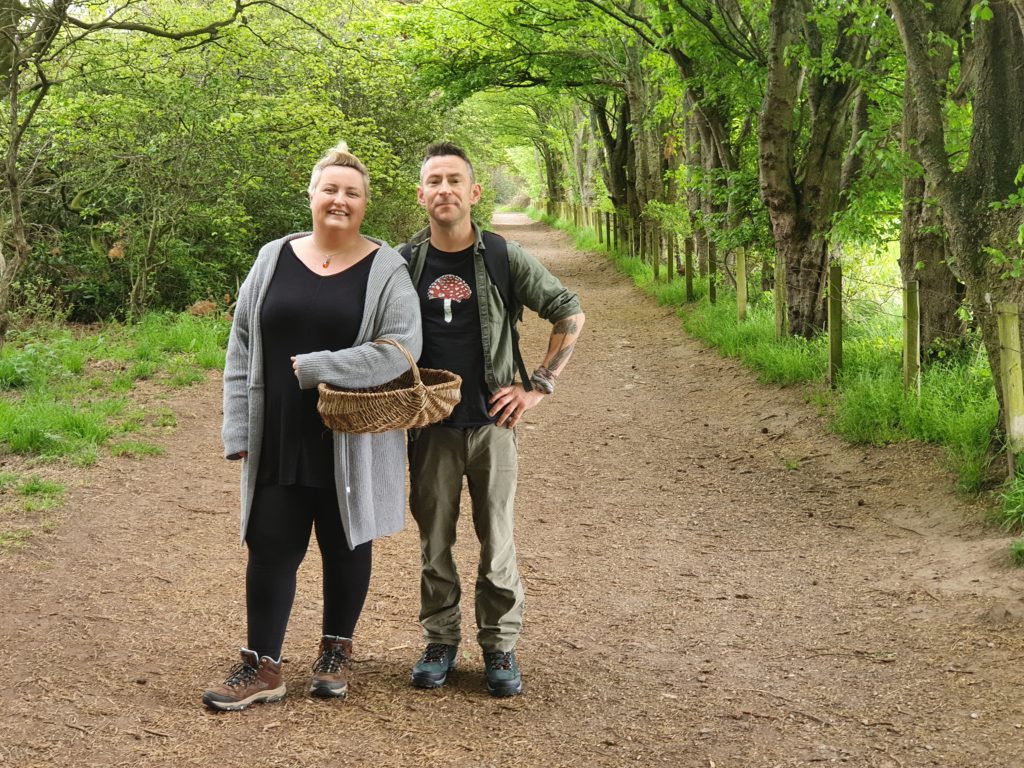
[
  {"x": 14, "y": 539},
  {"x": 957, "y": 409},
  {"x": 41, "y": 495},
  {"x": 169, "y": 165},
  {"x": 22, "y": 502},
  {"x": 71, "y": 397}
]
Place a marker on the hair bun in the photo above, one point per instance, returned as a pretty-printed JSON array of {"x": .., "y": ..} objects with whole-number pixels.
[{"x": 342, "y": 146}]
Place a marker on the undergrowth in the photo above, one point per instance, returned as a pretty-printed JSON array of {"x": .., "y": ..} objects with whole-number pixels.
[{"x": 67, "y": 391}]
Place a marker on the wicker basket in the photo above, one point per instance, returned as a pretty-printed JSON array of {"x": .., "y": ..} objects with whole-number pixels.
[{"x": 418, "y": 397}]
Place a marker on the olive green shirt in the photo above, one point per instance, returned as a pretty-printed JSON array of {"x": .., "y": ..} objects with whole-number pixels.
[{"x": 531, "y": 283}]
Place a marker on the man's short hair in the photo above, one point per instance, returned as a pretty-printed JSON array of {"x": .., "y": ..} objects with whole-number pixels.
[{"x": 445, "y": 149}]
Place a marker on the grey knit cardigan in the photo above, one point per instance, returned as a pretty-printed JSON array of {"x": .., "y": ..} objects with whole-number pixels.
[{"x": 369, "y": 469}]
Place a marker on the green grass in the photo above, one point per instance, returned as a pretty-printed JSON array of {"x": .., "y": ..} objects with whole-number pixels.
[
  {"x": 36, "y": 487},
  {"x": 14, "y": 539},
  {"x": 68, "y": 391},
  {"x": 41, "y": 495},
  {"x": 135, "y": 449},
  {"x": 1017, "y": 552},
  {"x": 165, "y": 419},
  {"x": 22, "y": 501},
  {"x": 790, "y": 361}
]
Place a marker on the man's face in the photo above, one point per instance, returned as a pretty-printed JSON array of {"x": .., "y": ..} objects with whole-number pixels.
[{"x": 446, "y": 190}]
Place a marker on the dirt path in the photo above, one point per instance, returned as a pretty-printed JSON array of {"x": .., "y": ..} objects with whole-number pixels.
[{"x": 691, "y": 600}]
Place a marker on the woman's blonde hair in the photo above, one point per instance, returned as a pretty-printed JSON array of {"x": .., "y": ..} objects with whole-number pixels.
[{"x": 339, "y": 155}]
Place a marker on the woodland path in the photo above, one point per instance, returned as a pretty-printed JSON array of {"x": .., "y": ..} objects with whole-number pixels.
[{"x": 692, "y": 600}]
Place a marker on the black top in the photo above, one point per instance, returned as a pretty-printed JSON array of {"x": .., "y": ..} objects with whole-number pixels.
[
  {"x": 451, "y": 330},
  {"x": 303, "y": 312}
]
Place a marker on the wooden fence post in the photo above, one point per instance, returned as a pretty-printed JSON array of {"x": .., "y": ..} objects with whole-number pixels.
[
  {"x": 712, "y": 270},
  {"x": 1008, "y": 319},
  {"x": 835, "y": 323},
  {"x": 670, "y": 254},
  {"x": 656, "y": 251},
  {"x": 781, "y": 308},
  {"x": 911, "y": 337},
  {"x": 741, "y": 284},
  {"x": 688, "y": 266}
]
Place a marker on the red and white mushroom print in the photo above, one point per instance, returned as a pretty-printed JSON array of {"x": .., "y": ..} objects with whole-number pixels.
[{"x": 450, "y": 288}]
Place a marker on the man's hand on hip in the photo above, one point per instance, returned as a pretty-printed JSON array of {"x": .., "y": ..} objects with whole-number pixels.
[{"x": 510, "y": 403}]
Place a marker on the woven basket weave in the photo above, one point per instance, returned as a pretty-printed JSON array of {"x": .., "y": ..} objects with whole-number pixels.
[{"x": 418, "y": 397}]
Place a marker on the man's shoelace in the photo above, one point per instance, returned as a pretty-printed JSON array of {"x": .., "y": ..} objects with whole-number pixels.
[
  {"x": 241, "y": 675},
  {"x": 500, "y": 660},
  {"x": 330, "y": 661},
  {"x": 435, "y": 652}
]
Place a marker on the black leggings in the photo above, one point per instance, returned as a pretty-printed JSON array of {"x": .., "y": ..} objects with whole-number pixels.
[{"x": 280, "y": 523}]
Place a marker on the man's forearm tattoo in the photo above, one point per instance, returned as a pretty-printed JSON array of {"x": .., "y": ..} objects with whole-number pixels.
[
  {"x": 561, "y": 357},
  {"x": 565, "y": 327}
]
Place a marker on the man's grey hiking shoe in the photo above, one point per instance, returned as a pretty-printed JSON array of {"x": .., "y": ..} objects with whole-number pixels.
[
  {"x": 502, "y": 673},
  {"x": 432, "y": 669}
]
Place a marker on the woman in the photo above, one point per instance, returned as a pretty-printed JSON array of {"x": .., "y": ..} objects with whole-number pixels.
[{"x": 310, "y": 311}]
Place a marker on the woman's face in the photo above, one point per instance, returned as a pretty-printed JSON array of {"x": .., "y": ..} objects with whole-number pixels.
[{"x": 338, "y": 203}]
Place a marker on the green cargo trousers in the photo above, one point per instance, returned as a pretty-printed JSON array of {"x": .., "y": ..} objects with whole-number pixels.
[{"x": 439, "y": 457}]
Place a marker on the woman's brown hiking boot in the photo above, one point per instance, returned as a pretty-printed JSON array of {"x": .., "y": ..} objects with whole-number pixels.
[
  {"x": 332, "y": 668},
  {"x": 255, "y": 679}
]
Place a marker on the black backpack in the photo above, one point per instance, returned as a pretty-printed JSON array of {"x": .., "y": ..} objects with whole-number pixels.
[{"x": 496, "y": 261}]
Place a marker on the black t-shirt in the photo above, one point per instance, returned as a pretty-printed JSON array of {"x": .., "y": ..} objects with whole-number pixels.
[
  {"x": 451, "y": 330},
  {"x": 303, "y": 312}
]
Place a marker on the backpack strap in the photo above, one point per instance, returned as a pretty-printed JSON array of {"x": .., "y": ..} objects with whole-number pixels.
[{"x": 498, "y": 269}]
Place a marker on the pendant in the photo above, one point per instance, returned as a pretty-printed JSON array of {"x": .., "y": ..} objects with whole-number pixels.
[{"x": 326, "y": 264}]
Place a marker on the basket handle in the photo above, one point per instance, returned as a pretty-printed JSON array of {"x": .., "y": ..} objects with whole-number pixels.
[{"x": 412, "y": 363}]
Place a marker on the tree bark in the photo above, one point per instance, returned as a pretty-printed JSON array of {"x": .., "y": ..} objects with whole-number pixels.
[
  {"x": 982, "y": 240},
  {"x": 616, "y": 146},
  {"x": 802, "y": 195},
  {"x": 647, "y": 145},
  {"x": 924, "y": 256}
]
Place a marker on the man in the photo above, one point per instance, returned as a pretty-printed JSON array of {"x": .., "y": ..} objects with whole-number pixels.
[{"x": 468, "y": 329}]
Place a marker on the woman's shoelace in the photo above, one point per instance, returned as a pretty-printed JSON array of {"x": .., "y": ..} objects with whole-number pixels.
[
  {"x": 331, "y": 661},
  {"x": 243, "y": 674}
]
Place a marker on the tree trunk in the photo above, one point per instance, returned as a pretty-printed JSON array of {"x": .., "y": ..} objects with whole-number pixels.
[
  {"x": 646, "y": 142},
  {"x": 616, "y": 147},
  {"x": 803, "y": 190},
  {"x": 552, "y": 172},
  {"x": 923, "y": 253},
  {"x": 982, "y": 240},
  {"x": 694, "y": 199}
]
